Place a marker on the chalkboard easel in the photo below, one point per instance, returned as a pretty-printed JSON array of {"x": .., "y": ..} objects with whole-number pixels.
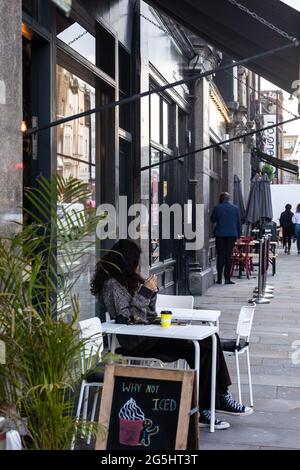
[{"x": 147, "y": 409}]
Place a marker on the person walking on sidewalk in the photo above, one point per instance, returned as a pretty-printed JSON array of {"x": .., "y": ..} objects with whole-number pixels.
[
  {"x": 288, "y": 228},
  {"x": 226, "y": 216},
  {"x": 296, "y": 221}
]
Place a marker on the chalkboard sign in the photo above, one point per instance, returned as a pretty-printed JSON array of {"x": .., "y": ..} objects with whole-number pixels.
[{"x": 144, "y": 408}]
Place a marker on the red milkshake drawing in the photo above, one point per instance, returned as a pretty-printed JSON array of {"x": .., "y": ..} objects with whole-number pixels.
[{"x": 131, "y": 421}]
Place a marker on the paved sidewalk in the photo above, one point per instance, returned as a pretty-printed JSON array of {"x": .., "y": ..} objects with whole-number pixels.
[{"x": 275, "y": 423}]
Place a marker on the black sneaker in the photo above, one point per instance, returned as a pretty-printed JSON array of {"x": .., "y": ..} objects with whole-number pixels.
[
  {"x": 229, "y": 282},
  {"x": 231, "y": 407},
  {"x": 204, "y": 421}
]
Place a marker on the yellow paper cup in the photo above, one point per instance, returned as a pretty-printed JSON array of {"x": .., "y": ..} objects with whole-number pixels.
[{"x": 165, "y": 319}]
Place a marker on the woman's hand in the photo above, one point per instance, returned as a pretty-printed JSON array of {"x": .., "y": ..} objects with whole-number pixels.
[{"x": 151, "y": 283}]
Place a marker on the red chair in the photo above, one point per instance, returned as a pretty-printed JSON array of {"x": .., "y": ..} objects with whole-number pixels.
[{"x": 242, "y": 257}]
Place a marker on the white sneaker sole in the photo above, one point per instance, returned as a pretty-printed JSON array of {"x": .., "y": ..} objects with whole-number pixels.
[
  {"x": 218, "y": 427},
  {"x": 232, "y": 413}
]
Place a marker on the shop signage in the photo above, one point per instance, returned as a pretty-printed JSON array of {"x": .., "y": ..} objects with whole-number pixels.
[
  {"x": 64, "y": 5},
  {"x": 146, "y": 408},
  {"x": 270, "y": 135}
]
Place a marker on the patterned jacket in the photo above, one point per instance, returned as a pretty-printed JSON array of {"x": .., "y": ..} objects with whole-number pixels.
[{"x": 126, "y": 308}]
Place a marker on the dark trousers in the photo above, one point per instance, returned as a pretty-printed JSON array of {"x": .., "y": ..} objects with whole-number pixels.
[
  {"x": 170, "y": 350},
  {"x": 287, "y": 238},
  {"x": 224, "y": 248}
]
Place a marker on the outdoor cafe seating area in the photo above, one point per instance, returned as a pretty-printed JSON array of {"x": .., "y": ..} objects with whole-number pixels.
[
  {"x": 254, "y": 255},
  {"x": 187, "y": 323}
]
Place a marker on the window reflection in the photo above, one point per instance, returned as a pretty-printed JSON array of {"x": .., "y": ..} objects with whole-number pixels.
[
  {"x": 159, "y": 120},
  {"x": 75, "y": 36},
  {"x": 75, "y": 139},
  {"x": 76, "y": 153},
  {"x": 155, "y": 118},
  {"x": 154, "y": 246},
  {"x": 165, "y": 113}
]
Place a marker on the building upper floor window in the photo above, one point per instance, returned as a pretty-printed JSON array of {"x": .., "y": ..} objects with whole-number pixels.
[
  {"x": 289, "y": 144},
  {"x": 159, "y": 120}
]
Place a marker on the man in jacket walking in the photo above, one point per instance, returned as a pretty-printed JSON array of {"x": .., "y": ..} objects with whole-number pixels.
[{"x": 226, "y": 216}]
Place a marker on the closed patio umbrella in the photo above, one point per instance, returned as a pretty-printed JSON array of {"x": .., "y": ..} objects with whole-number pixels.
[
  {"x": 238, "y": 197},
  {"x": 266, "y": 200},
  {"x": 259, "y": 207},
  {"x": 252, "y": 215}
]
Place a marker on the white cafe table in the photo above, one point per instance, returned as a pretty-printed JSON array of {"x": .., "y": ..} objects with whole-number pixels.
[
  {"x": 194, "y": 333},
  {"x": 193, "y": 314}
]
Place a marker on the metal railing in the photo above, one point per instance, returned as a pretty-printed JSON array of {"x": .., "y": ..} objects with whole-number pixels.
[{"x": 263, "y": 293}]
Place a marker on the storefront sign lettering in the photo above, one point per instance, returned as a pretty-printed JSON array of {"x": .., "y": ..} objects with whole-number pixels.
[{"x": 270, "y": 135}]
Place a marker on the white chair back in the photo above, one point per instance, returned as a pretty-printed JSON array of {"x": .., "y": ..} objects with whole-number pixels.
[
  {"x": 174, "y": 301},
  {"x": 107, "y": 317},
  {"x": 91, "y": 330},
  {"x": 245, "y": 321}
]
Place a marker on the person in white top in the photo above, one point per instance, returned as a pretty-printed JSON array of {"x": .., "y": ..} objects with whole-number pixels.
[{"x": 296, "y": 221}]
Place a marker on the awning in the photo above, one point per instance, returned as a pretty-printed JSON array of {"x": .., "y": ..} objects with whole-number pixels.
[
  {"x": 239, "y": 35},
  {"x": 277, "y": 163}
]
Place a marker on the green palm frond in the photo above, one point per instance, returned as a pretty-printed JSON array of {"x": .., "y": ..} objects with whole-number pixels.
[{"x": 39, "y": 268}]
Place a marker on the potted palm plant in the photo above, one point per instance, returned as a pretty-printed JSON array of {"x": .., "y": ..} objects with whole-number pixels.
[{"x": 41, "y": 371}]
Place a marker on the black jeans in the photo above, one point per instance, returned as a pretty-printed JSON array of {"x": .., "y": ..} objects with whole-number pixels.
[
  {"x": 224, "y": 248},
  {"x": 287, "y": 237},
  {"x": 169, "y": 350}
]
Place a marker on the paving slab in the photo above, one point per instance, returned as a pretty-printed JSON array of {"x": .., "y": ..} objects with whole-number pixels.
[
  {"x": 280, "y": 405},
  {"x": 240, "y": 433},
  {"x": 275, "y": 423}
]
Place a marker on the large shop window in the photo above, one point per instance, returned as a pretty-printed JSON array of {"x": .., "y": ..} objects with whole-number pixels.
[
  {"x": 161, "y": 249},
  {"x": 76, "y": 150}
]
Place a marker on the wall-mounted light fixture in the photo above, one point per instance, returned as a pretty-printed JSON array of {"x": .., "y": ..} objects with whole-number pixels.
[
  {"x": 23, "y": 126},
  {"x": 27, "y": 32}
]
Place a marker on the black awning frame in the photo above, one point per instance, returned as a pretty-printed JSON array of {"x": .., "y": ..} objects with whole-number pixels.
[
  {"x": 277, "y": 163},
  {"x": 159, "y": 89},
  {"x": 237, "y": 32}
]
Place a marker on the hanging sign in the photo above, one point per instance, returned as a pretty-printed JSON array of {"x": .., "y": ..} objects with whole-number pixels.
[
  {"x": 64, "y": 5},
  {"x": 270, "y": 135}
]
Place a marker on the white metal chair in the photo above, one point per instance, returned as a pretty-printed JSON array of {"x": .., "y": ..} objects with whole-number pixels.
[
  {"x": 91, "y": 330},
  {"x": 174, "y": 301},
  {"x": 240, "y": 345},
  {"x": 166, "y": 301}
]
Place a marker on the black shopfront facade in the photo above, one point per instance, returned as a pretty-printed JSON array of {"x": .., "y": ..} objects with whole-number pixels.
[{"x": 106, "y": 51}]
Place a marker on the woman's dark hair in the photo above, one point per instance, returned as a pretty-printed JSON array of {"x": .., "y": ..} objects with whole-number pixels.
[
  {"x": 120, "y": 263},
  {"x": 288, "y": 207},
  {"x": 298, "y": 208}
]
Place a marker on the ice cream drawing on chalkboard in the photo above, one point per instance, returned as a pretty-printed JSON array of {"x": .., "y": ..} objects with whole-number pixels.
[{"x": 134, "y": 428}]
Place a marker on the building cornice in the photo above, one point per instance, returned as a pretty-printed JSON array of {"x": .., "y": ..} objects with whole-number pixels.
[
  {"x": 219, "y": 102},
  {"x": 177, "y": 33}
]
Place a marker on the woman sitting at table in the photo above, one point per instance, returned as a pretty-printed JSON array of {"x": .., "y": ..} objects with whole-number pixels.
[{"x": 129, "y": 298}]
